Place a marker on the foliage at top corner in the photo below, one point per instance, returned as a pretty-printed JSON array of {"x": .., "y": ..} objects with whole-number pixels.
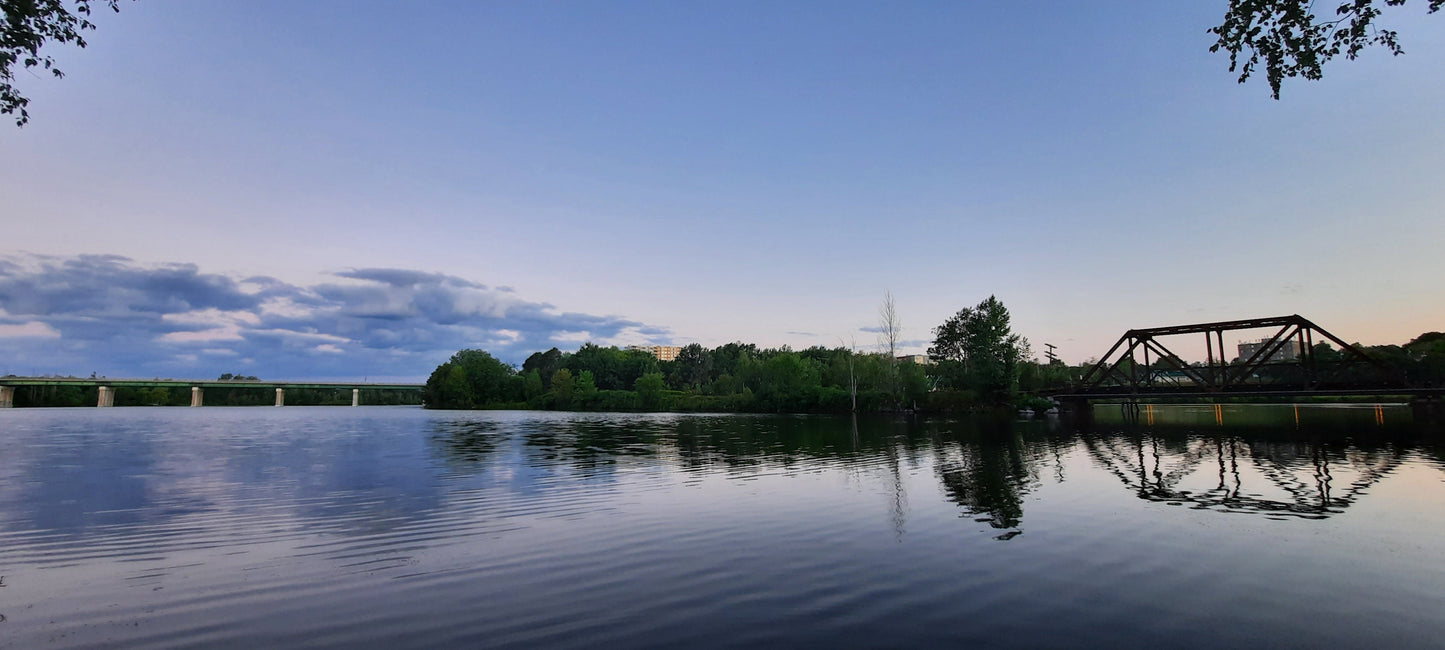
[
  {"x": 27, "y": 26},
  {"x": 1291, "y": 41}
]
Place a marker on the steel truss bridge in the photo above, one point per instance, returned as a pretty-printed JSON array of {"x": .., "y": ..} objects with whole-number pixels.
[{"x": 1141, "y": 365}]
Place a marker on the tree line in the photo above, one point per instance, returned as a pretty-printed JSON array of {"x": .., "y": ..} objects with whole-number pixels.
[{"x": 977, "y": 362}]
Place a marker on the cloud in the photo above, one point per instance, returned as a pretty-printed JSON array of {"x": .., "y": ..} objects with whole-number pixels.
[
  {"x": 32, "y": 330},
  {"x": 873, "y": 329},
  {"x": 107, "y": 313}
]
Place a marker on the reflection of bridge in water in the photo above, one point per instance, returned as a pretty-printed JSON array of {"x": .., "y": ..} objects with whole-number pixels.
[{"x": 1311, "y": 488}]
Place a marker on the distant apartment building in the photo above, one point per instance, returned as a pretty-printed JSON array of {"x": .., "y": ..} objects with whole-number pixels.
[
  {"x": 1290, "y": 351},
  {"x": 920, "y": 359},
  {"x": 662, "y": 352}
]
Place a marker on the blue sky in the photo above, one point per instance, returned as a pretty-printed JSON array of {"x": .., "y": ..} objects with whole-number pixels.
[{"x": 416, "y": 179}]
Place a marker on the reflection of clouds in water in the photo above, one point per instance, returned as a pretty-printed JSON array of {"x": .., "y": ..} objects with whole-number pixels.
[
  {"x": 133, "y": 470},
  {"x": 71, "y": 488},
  {"x": 326, "y": 471},
  {"x": 363, "y": 475},
  {"x": 77, "y": 479}
]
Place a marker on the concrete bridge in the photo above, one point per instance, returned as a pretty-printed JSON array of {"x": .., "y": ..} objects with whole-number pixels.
[{"x": 105, "y": 387}]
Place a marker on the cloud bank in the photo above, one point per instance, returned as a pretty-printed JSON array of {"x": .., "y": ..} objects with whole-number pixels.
[{"x": 107, "y": 314}]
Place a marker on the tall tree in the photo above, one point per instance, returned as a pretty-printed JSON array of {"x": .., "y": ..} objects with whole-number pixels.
[
  {"x": 727, "y": 358},
  {"x": 985, "y": 351},
  {"x": 1292, "y": 42},
  {"x": 532, "y": 384},
  {"x": 27, "y": 26},
  {"x": 545, "y": 363},
  {"x": 471, "y": 378},
  {"x": 890, "y": 329},
  {"x": 562, "y": 387},
  {"x": 586, "y": 386},
  {"x": 694, "y": 366},
  {"x": 649, "y": 389}
]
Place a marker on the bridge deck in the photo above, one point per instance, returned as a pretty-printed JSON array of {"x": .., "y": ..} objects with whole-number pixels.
[
  {"x": 1126, "y": 392},
  {"x": 202, "y": 383}
]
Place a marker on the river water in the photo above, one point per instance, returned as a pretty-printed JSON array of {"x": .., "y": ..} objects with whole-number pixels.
[{"x": 399, "y": 527}]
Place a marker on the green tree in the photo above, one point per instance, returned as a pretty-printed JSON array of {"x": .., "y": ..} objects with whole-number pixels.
[
  {"x": 787, "y": 382},
  {"x": 532, "y": 384},
  {"x": 470, "y": 379},
  {"x": 694, "y": 366},
  {"x": 28, "y": 25},
  {"x": 586, "y": 388},
  {"x": 446, "y": 388},
  {"x": 978, "y": 350},
  {"x": 726, "y": 358},
  {"x": 1291, "y": 41},
  {"x": 604, "y": 364},
  {"x": 649, "y": 389},
  {"x": 156, "y": 396},
  {"x": 1426, "y": 364},
  {"x": 562, "y": 388},
  {"x": 545, "y": 363},
  {"x": 725, "y": 384},
  {"x": 633, "y": 364}
]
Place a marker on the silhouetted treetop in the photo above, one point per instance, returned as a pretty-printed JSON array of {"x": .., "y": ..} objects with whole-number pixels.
[{"x": 1291, "y": 41}]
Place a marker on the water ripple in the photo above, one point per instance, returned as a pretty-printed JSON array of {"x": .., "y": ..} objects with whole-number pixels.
[{"x": 407, "y": 528}]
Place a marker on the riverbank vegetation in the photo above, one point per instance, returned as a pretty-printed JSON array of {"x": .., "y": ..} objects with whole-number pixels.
[{"x": 977, "y": 362}]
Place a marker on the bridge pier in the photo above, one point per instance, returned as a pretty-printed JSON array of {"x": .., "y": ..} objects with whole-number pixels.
[
  {"x": 356, "y": 397},
  {"x": 198, "y": 395},
  {"x": 280, "y": 397},
  {"x": 7, "y": 397},
  {"x": 1129, "y": 410},
  {"x": 106, "y": 397}
]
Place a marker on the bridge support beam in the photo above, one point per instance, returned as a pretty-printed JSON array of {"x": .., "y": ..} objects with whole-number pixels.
[
  {"x": 106, "y": 397},
  {"x": 280, "y": 397},
  {"x": 356, "y": 397},
  {"x": 198, "y": 395},
  {"x": 7, "y": 397}
]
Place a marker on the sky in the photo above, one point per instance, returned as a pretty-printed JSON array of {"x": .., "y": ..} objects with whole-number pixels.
[{"x": 342, "y": 190}]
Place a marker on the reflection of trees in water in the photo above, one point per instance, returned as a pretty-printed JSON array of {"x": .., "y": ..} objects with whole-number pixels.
[
  {"x": 1153, "y": 467},
  {"x": 987, "y": 467},
  {"x": 593, "y": 445},
  {"x": 990, "y": 475},
  {"x": 466, "y": 442}
]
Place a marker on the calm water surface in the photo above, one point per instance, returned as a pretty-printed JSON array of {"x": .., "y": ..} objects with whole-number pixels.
[{"x": 399, "y": 527}]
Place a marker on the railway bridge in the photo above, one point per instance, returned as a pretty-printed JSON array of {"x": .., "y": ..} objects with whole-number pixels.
[{"x": 1286, "y": 364}]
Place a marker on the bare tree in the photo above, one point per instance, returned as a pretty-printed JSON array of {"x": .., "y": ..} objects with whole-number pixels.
[{"x": 889, "y": 331}]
